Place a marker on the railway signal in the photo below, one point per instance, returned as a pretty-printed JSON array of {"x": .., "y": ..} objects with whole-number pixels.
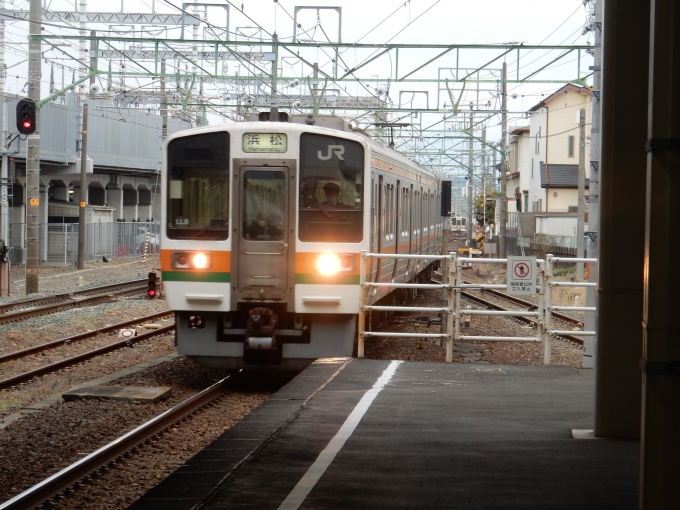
[
  {"x": 26, "y": 118},
  {"x": 152, "y": 290}
]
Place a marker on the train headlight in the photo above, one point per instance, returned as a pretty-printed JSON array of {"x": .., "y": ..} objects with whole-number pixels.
[
  {"x": 200, "y": 260},
  {"x": 191, "y": 260},
  {"x": 328, "y": 264}
]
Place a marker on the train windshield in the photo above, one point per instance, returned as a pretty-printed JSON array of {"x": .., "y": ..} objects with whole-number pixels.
[
  {"x": 198, "y": 187},
  {"x": 331, "y": 189}
]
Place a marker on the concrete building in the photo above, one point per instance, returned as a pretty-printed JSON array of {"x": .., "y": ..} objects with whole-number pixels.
[{"x": 123, "y": 168}]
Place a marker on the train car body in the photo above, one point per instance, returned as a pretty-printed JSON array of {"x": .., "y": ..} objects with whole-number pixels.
[{"x": 263, "y": 224}]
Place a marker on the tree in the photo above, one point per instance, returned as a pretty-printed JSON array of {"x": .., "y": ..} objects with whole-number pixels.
[{"x": 490, "y": 204}]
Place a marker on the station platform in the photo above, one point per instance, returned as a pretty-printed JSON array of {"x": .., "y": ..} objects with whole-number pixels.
[{"x": 354, "y": 433}]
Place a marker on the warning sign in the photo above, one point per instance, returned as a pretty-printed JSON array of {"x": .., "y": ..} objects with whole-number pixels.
[{"x": 521, "y": 275}]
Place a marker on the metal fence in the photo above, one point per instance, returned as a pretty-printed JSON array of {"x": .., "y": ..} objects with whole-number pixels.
[
  {"x": 453, "y": 285},
  {"x": 59, "y": 241}
]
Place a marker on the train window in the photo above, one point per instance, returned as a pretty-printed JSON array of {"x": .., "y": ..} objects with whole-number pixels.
[
  {"x": 331, "y": 189},
  {"x": 198, "y": 187},
  {"x": 264, "y": 205}
]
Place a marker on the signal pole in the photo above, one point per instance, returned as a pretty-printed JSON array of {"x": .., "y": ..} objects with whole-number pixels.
[{"x": 33, "y": 154}]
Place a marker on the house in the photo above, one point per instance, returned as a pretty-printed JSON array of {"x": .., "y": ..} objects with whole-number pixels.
[
  {"x": 554, "y": 158},
  {"x": 520, "y": 185}
]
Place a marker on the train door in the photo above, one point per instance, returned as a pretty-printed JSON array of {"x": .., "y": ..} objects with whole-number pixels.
[{"x": 262, "y": 251}]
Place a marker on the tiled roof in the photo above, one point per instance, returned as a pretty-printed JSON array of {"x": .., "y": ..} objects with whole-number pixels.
[{"x": 560, "y": 176}]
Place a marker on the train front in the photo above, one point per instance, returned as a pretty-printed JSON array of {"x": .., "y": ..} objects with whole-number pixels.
[{"x": 263, "y": 224}]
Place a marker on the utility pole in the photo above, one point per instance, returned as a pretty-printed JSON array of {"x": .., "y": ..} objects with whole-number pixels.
[
  {"x": 82, "y": 220},
  {"x": 82, "y": 226},
  {"x": 581, "y": 191},
  {"x": 502, "y": 253},
  {"x": 590, "y": 342},
  {"x": 471, "y": 225},
  {"x": 33, "y": 153},
  {"x": 275, "y": 71},
  {"x": 484, "y": 182},
  {"x": 164, "y": 104}
]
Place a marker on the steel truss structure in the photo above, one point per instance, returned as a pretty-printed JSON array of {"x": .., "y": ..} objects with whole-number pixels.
[{"x": 452, "y": 81}]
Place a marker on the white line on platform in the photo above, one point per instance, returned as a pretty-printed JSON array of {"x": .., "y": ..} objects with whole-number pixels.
[{"x": 314, "y": 473}]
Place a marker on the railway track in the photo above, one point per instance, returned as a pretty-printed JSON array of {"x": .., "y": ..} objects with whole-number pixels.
[
  {"x": 73, "y": 360},
  {"x": 102, "y": 459},
  {"x": 526, "y": 304},
  {"x": 521, "y": 303},
  {"x": 19, "y": 310}
]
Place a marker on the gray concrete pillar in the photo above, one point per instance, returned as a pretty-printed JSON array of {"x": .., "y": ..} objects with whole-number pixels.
[
  {"x": 156, "y": 212},
  {"x": 114, "y": 199},
  {"x": 130, "y": 201},
  {"x": 76, "y": 195},
  {"x": 660, "y": 446},
  {"x": 60, "y": 193},
  {"x": 622, "y": 211}
]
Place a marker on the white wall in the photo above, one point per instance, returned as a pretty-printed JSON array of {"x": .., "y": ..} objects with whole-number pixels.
[{"x": 555, "y": 123}]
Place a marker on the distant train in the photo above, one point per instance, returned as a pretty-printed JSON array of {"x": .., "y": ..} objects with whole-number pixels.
[
  {"x": 263, "y": 223},
  {"x": 459, "y": 226}
]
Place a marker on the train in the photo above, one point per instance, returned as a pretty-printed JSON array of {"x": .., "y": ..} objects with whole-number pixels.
[{"x": 263, "y": 224}]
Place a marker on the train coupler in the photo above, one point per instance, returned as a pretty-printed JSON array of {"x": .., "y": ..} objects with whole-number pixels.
[{"x": 261, "y": 330}]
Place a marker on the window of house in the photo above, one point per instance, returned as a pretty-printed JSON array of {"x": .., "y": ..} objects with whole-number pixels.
[
  {"x": 538, "y": 140},
  {"x": 570, "y": 147}
]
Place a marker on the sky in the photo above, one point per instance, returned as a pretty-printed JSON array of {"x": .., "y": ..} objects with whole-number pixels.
[{"x": 411, "y": 22}]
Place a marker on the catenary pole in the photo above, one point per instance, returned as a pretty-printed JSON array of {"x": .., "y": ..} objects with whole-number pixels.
[
  {"x": 471, "y": 224},
  {"x": 502, "y": 253},
  {"x": 4, "y": 171}
]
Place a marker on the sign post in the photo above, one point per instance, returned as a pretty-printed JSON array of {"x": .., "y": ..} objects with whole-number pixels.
[{"x": 521, "y": 275}]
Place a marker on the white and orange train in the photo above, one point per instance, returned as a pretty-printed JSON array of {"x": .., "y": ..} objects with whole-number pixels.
[{"x": 263, "y": 224}]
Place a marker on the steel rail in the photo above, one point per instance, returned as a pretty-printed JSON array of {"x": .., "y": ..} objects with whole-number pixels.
[
  {"x": 471, "y": 297},
  {"x": 80, "y": 336},
  {"x": 66, "y": 296},
  {"x": 528, "y": 304},
  {"x": 72, "y": 303},
  {"x": 17, "y": 379},
  {"x": 68, "y": 476}
]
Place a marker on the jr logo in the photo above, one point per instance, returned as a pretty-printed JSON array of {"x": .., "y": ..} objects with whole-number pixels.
[{"x": 339, "y": 150}]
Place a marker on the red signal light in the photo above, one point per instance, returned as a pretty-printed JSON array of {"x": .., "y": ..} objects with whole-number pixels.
[
  {"x": 26, "y": 117},
  {"x": 152, "y": 285}
]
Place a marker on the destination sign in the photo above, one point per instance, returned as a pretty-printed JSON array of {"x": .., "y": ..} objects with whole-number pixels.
[{"x": 265, "y": 142}]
